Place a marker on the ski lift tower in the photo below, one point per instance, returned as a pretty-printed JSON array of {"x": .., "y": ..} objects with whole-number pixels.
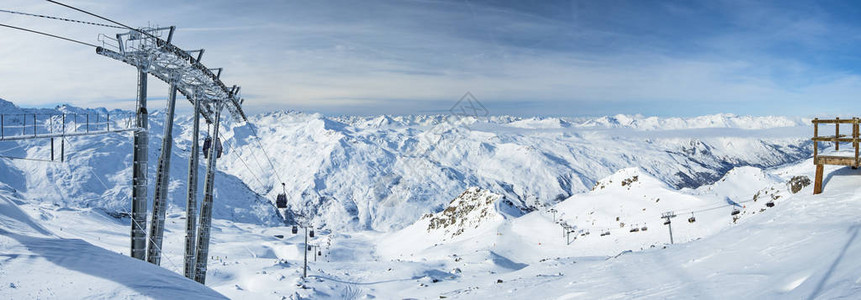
[
  {"x": 151, "y": 54},
  {"x": 669, "y": 215}
]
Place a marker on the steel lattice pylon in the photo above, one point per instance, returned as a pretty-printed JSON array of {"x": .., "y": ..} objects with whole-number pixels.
[{"x": 150, "y": 54}]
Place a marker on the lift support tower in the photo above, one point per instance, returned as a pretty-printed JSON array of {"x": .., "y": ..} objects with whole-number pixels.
[{"x": 150, "y": 54}]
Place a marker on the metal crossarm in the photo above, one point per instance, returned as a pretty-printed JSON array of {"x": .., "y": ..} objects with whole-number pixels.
[{"x": 143, "y": 48}]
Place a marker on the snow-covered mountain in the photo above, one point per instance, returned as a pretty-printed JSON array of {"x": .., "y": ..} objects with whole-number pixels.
[
  {"x": 640, "y": 122},
  {"x": 385, "y": 172}
]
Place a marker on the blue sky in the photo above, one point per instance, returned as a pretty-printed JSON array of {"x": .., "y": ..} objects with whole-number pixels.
[{"x": 549, "y": 58}]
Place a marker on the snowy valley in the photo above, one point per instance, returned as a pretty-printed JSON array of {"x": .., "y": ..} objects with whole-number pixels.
[{"x": 448, "y": 206}]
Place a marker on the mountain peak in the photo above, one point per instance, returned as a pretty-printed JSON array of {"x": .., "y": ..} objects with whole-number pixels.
[
  {"x": 470, "y": 210},
  {"x": 628, "y": 178}
]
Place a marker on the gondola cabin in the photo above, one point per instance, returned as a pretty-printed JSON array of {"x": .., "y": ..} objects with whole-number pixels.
[
  {"x": 281, "y": 200},
  {"x": 207, "y": 143}
]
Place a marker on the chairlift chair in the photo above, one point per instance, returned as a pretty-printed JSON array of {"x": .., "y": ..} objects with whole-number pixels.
[
  {"x": 319, "y": 253},
  {"x": 770, "y": 204},
  {"x": 644, "y": 228},
  {"x": 692, "y": 218},
  {"x": 735, "y": 211},
  {"x": 295, "y": 229},
  {"x": 667, "y": 222},
  {"x": 311, "y": 234}
]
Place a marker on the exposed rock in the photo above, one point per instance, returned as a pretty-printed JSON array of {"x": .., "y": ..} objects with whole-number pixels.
[
  {"x": 797, "y": 183},
  {"x": 468, "y": 210}
]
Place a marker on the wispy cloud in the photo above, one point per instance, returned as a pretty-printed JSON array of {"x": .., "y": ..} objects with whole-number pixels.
[{"x": 559, "y": 57}]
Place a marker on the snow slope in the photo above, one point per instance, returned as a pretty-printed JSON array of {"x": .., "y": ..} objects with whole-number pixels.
[
  {"x": 805, "y": 247},
  {"x": 37, "y": 264},
  {"x": 622, "y": 212},
  {"x": 97, "y": 172}
]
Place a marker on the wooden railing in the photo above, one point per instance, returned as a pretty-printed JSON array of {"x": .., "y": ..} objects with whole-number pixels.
[{"x": 837, "y": 138}]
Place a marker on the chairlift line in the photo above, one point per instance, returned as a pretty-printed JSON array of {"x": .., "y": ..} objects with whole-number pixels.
[
  {"x": 100, "y": 17},
  {"x": 268, "y": 158},
  {"x": 48, "y": 35},
  {"x": 60, "y": 19}
]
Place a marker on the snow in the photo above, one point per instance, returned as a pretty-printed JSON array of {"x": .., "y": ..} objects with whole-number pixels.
[
  {"x": 36, "y": 263},
  {"x": 427, "y": 207}
]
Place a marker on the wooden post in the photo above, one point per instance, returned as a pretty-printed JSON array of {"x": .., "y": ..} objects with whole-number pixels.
[
  {"x": 817, "y": 185},
  {"x": 836, "y": 134},
  {"x": 855, "y": 141},
  {"x": 815, "y": 143}
]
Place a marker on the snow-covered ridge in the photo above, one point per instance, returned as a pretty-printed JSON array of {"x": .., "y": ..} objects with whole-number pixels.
[
  {"x": 637, "y": 122},
  {"x": 640, "y": 122},
  {"x": 7, "y": 107}
]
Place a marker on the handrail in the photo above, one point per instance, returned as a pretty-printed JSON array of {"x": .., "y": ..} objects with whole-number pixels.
[{"x": 18, "y": 126}]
